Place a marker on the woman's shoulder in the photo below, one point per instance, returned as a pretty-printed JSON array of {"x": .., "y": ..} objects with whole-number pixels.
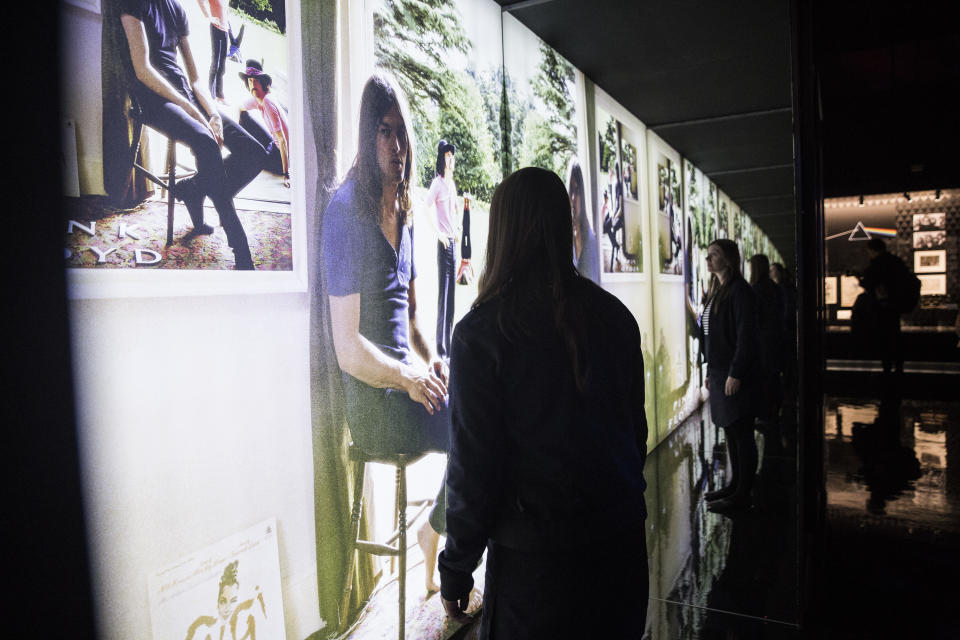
[{"x": 606, "y": 306}]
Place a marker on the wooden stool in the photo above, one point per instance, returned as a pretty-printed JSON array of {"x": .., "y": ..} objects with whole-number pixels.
[
  {"x": 398, "y": 550},
  {"x": 172, "y": 175}
]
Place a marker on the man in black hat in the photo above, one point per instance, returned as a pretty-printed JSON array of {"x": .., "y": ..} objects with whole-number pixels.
[
  {"x": 176, "y": 102},
  {"x": 273, "y": 133}
]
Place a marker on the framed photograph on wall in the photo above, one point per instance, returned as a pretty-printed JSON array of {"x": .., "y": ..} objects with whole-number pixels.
[
  {"x": 849, "y": 290},
  {"x": 929, "y": 221},
  {"x": 619, "y": 139},
  {"x": 933, "y": 284},
  {"x": 929, "y": 239},
  {"x": 930, "y": 261},
  {"x": 244, "y": 232},
  {"x": 830, "y": 290}
]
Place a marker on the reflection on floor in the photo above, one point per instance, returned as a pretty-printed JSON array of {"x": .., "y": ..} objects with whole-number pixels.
[
  {"x": 714, "y": 575},
  {"x": 892, "y": 452},
  {"x": 711, "y": 575}
]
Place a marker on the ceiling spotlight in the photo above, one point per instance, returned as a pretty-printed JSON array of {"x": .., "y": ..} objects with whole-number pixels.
[
  {"x": 938, "y": 194},
  {"x": 861, "y": 200},
  {"x": 906, "y": 194}
]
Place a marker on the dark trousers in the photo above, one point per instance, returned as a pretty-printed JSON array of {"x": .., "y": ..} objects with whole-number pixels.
[
  {"x": 218, "y": 60},
  {"x": 567, "y": 594},
  {"x": 388, "y": 421},
  {"x": 890, "y": 340},
  {"x": 274, "y": 163},
  {"x": 447, "y": 274},
  {"x": 217, "y": 177},
  {"x": 742, "y": 450}
]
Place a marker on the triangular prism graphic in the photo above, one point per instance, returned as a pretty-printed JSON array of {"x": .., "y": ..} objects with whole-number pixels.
[{"x": 858, "y": 233}]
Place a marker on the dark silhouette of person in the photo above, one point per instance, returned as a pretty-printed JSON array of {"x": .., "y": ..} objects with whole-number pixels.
[
  {"x": 548, "y": 443},
  {"x": 883, "y": 280},
  {"x": 770, "y": 325}
]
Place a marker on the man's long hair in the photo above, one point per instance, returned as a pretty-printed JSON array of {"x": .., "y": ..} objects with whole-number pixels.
[
  {"x": 380, "y": 94},
  {"x": 731, "y": 253},
  {"x": 529, "y": 265}
]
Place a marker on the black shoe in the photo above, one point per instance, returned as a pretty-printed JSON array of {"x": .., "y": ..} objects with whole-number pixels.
[
  {"x": 243, "y": 261},
  {"x": 719, "y": 493},
  {"x": 186, "y": 193},
  {"x": 203, "y": 230},
  {"x": 724, "y": 505}
]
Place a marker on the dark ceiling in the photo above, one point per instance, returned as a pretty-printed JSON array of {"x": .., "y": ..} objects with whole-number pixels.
[{"x": 713, "y": 82}]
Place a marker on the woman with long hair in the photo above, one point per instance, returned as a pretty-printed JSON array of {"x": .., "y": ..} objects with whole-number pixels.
[
  {"x": 548, "y": 435},
  {"x": 585, "y": 257},
  {"x": 728, "y": 328}
]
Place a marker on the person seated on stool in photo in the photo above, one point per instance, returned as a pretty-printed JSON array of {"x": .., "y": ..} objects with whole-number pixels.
[
  {"x": 395, "y": 401},
  {"x": 175, "y": 101}
]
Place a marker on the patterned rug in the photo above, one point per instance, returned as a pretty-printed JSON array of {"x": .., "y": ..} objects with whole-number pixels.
[{"x": 102, "y": 238}]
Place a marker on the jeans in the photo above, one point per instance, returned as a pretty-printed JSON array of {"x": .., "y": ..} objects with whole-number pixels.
[
  {"x": 218, "y": 60},
  {"x": 447, "y": 274},
  {"x": 217, "y": 177}
]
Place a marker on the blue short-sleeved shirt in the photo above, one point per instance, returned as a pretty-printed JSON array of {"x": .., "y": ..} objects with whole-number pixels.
[
  {"x": 165, "y": 23},
  {"x": 358, "y": 258}
]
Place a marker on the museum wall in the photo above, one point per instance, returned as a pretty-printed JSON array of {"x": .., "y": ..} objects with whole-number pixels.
[{"x": 193, "y": 385}]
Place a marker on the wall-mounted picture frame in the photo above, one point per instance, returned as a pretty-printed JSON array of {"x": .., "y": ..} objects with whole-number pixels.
[
  {"x": 125, "y": 236},
  {"x": 933, "y": 284},
  {"x": 930, "y": 261},
  {"x": 844, "y": 314},
  {"x": 929, "y": 239},
  {"x": 830, "y": 290},
  {"x": 933, "y": 221},
  {"x": 849, "y": 290}
]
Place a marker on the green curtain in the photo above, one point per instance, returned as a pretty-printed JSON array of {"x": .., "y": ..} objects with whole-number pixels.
[
  {"x": 124, "y": 188},
  {"x": 333, "y": 474}
]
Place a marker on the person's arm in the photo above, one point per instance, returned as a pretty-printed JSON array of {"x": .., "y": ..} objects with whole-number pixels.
[
  {"x": 361, "y": 359},
  {"x": 201, "y": 91},
  {"x": 204, "y": 8},
  {"x": 281, "y": 140},
  {"x": 475, "y": 466},
  {"x": 150, "y": 77},
  {"x": 423, "y": 348}
]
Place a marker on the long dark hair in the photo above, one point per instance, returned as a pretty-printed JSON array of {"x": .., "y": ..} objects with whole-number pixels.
[
  {"x": 575, "y": 184},
  {"x": 380, "y": 94},
  {"x": 528, "y": 266},
  {"x": 759, "y": 268},
  {"x": 731, "y": 253}
]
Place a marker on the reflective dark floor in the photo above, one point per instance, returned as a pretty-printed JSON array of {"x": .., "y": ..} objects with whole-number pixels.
[
  {"x": 714, "y": 575},
  {"x": 891, "y": 563}
]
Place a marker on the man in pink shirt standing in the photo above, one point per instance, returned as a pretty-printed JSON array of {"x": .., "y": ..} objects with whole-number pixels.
[
  {"x": 443, "y": 196},
  {"x": 277, "y": 143}
]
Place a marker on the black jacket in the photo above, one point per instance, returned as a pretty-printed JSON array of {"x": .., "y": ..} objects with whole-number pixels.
[
  {"x": 732, "y": 349},
  {"x": 534, "y": 465}
]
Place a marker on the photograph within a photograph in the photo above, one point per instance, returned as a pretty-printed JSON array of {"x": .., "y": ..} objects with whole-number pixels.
[{"x": 929, "y": 239}]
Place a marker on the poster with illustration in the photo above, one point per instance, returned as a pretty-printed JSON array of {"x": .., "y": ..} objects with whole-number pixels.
[
  {"x": 229, "y": 590},
  {"x": 669, "y": 212},
  {"x": 618, "y": 186},
  {"x": 205, "y": 180}
]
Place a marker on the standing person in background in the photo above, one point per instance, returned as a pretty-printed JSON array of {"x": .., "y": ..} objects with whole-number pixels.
[
  {"x": 782, "y": 277},
  {"x": 443, "y": 197},
  {"x": 548, "y": 438},
  {"x": 275, "y": 137},
  {"x": 770, "y": 324},
  {"x": 885, "y": 279},
  {"x": 729, "y": 330},
  {"x": 394, "y": 384},
  {"x": 585, "y": 257},
  {"x": 174, "y": 101},
  {"x": 216, "y": 11}
]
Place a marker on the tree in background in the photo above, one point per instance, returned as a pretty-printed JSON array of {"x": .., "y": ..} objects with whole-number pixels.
[
  {"x": 556, "y": 128},
  {"x": 269, "y": 12},
  {"x": 414, "y": 40},
  {"x": 466, "y": 124}
]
